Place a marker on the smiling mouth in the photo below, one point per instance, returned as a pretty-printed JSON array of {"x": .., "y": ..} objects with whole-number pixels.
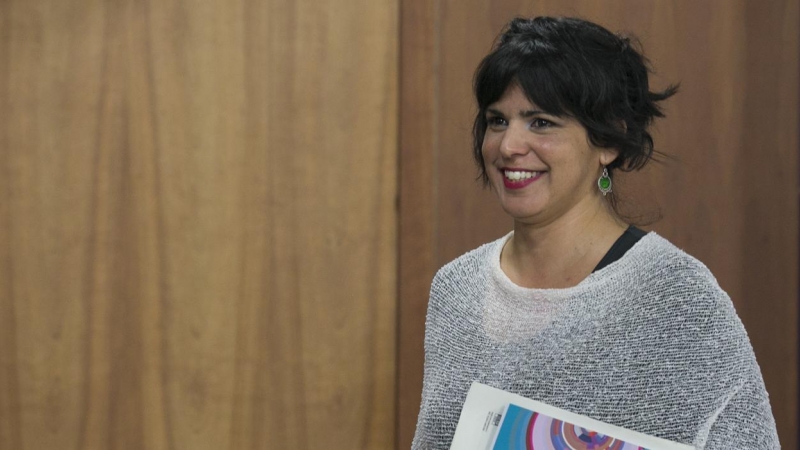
[
  {"x": 518, "y": 179},
  {"x": 520, "y": 175}
]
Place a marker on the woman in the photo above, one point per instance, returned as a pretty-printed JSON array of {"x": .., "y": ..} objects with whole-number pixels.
[{"x": 575, "y": 308}]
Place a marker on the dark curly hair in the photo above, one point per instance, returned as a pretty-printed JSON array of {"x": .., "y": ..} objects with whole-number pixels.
[{"x": 572, "y": 67}]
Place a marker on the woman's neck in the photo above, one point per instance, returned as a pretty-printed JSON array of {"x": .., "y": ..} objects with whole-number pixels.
[{"x": 561, "y": 253}]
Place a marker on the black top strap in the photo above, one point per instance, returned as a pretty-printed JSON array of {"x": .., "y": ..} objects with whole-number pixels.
[{"x": 630, "y": 237}]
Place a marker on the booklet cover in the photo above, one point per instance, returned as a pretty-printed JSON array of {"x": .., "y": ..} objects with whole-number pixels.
[{"x": 493, "y": 419}]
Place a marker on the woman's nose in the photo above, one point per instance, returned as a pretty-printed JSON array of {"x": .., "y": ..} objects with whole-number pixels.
[{"x": 514, "y": 142}]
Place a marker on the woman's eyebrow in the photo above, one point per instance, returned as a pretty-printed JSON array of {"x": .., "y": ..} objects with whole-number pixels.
[
  {"x": 531, "y": 113},
  {"x": 524, "y": 113}
]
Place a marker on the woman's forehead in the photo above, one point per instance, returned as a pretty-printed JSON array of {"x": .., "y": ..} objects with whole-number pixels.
[
  {"x": 514, "y": 96},
  {"x": 515, "y": 100}
]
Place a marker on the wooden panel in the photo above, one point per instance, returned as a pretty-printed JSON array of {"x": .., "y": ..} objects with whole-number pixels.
[
  {"x": 197, "y": 225},
  {"x": 728, "y": 195},
  {"x": 768, "y": 154},
  {"x": 417, "y": 249}
]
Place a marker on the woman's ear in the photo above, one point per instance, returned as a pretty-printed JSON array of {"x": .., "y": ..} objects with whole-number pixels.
[{"x": 608, "y": 155}]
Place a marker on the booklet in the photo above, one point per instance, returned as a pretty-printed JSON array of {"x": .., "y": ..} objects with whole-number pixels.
[{"x": 493, "y": 419}]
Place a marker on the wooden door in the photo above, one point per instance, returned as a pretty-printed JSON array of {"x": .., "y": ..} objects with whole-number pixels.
[{"x": 197, "y": 224}]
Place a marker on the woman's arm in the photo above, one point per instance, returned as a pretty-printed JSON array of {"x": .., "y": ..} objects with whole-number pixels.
[{"x": 744, "y": 422}]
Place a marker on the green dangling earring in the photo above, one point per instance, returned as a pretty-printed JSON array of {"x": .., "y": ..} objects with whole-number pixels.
[{"x": 604, "y": 182}]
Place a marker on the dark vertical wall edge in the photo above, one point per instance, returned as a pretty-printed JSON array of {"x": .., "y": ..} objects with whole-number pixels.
[{"x": 416, "y": 235}]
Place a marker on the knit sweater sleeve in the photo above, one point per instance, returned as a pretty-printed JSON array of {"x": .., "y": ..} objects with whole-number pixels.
[
  {"x": 442, "y": 396},
  {"x": 426, "y": 435},
  {"x": 743, "y": 417},
  {"x": 745, "y": 420}
]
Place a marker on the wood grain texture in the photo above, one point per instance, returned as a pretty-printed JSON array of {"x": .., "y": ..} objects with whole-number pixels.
[
  {"x": 417, "y": 239},
  {"x": 728, "y": 195},
  {"x": 197, "y": 224}
]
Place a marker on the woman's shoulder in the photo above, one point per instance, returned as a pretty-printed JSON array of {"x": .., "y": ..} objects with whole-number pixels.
[
  {"x": 457, "y": 286},
  {"x": 678, "y": 301},
  {"x": 471, "y": 264},
  {"x": 681, "y": 285},
  {"x": 660, "y": 261},
  {"x": 657, "y": 249}
]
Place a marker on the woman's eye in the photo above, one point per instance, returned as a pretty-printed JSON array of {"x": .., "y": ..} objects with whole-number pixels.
[
  {"x": 541, "y": 123},
  {"x": 495, "y": 122}
]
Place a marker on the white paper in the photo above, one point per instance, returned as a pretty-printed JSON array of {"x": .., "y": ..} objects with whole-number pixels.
[{"x": 479, "y": 423}]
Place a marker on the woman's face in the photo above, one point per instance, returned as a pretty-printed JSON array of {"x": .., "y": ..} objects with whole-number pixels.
[{"x": 541, "y": 166}]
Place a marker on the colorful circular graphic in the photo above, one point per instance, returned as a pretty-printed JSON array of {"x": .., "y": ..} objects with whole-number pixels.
[
  {"x": 523, "y": 429},
  {"x": 548, "y": 433}
]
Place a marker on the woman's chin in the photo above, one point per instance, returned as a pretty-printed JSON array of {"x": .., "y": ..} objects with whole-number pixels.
[{"x": 521, "y": 213}]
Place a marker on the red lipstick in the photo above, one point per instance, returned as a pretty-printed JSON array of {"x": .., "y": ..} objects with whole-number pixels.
[{"x": 519, "y": 184}]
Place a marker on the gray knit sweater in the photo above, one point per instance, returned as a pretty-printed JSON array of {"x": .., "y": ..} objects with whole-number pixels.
[{"x": 650, "y": 343}]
